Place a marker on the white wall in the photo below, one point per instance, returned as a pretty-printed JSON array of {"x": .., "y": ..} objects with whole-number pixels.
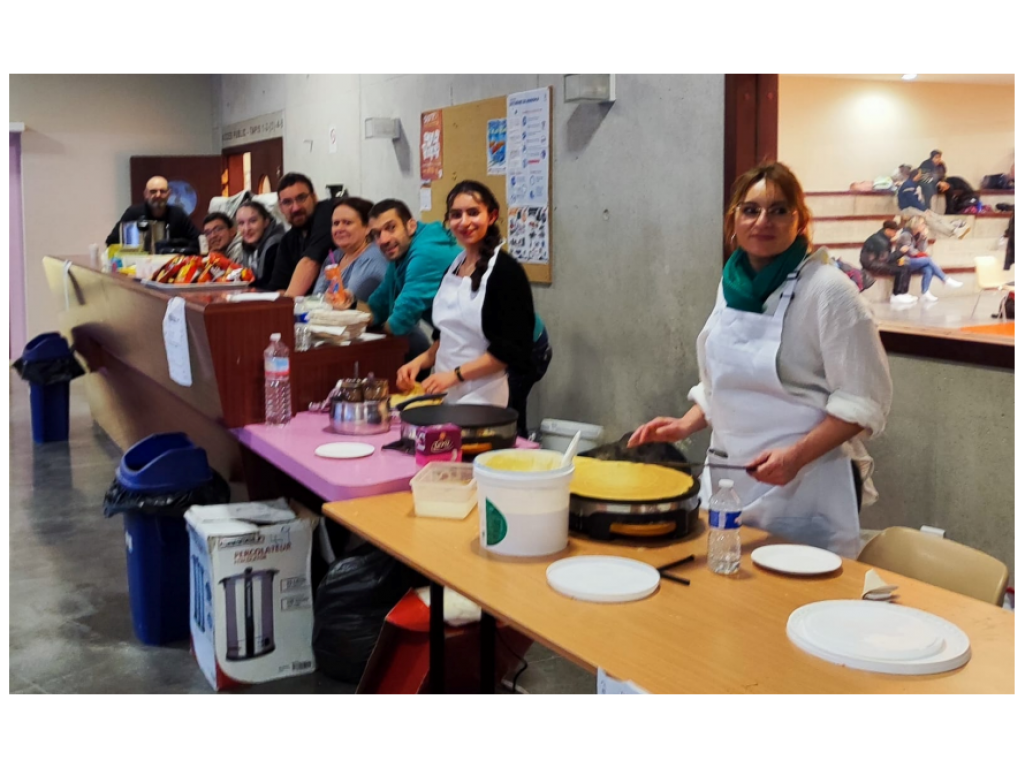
[
  {"x": 835, "y": 131},
  {"x": 636, "y": 241},
  {"x": 80, "y": 131}
]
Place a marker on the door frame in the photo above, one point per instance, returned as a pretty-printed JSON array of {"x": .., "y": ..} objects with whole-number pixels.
[
  {"x": 272, "y": 150},
  {"x": 18, "y": 309}
]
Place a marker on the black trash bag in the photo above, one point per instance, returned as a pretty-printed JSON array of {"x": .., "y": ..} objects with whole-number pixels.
[
  {"x": 351, "y": 603},
  {"x": 649, "y": 453},
  {"x": 120, "y": 500},
  {"x": 54, "y": 371}
]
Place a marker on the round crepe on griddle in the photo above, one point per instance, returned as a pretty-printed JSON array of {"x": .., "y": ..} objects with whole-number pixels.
[
  {"x": 627, "y": 481},
  {"x": 417, "y": 391}
]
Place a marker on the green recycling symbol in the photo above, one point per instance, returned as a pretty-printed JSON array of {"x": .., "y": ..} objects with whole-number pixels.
[{"x": 497, "y": 526}]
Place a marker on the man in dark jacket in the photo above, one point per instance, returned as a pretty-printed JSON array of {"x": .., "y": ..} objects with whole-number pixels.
[
  {"x": 877, "y": 258},
  {"x": 934, "y": 179},
  {"x": 305, "y": 246},
  {"x": 909, "y": 201},
  {"x": 156, "y": 208}
]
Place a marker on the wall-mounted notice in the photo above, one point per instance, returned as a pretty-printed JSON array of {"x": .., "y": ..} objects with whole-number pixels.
[
  {"x": 255, "y": 129},
  {"x": 496, "y": 146},
  {"x": 528, "y": 174},
  {"x": 431, "y": 146},
  {"x": 425, "y": 198}
]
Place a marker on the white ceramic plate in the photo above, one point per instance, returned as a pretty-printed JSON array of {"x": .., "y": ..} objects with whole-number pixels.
[
  {"x": 344, "y": 450},
  {"x": 796, "y": 559},
  {"x": 600, "y": 579},
  {"x": 879, "y": 637}
]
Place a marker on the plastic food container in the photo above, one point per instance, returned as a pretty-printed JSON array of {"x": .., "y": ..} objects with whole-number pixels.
[
  {"x": 523, "y": 501},
  {"x": 444, "y": 489}
]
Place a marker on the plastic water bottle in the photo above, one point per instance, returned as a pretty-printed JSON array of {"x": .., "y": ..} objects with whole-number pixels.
[
  {"x": 724, "y": 529},
  {"x": 278, "y": 388}
]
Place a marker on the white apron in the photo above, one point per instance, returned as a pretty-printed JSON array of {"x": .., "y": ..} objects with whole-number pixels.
[
  {"x": 752, "y": 412},
  {"x": 458, "y": 313}
]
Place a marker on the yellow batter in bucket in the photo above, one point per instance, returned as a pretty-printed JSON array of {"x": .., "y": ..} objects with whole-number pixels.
[{"x": 627, "y": 481}]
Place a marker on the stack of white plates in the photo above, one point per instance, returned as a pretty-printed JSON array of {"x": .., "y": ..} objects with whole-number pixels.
[{"x": 879, "y": 637}]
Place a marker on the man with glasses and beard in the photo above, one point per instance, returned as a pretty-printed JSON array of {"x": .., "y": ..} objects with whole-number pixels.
[
  {"x": 157, "y": 208},
  {"x": 305, "y": 246}
]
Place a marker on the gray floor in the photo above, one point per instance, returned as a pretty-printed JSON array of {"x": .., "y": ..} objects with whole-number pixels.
[
  {"x": 947, "y": 312},
  {"x": 70, "y": 626}
]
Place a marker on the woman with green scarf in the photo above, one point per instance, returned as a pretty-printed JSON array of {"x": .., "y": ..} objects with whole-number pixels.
[{"x": 792, "y": 374}]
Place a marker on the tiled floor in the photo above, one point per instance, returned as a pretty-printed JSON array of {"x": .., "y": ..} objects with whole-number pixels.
[{"x": 70, "y": 627}]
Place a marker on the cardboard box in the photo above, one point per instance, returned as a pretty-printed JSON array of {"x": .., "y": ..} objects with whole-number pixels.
[{"x": 251, "y": 592}]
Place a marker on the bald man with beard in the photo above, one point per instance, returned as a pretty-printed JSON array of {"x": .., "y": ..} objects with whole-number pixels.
[{"x": 157, "y": 208}]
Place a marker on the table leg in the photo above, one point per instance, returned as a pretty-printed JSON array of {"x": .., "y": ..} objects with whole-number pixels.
[
  {"x": 436, "y": 638},
  {"x": 487, "y": 664}
]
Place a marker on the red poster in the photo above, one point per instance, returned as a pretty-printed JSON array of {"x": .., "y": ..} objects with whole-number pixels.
[{"x": 430, "y": 146}]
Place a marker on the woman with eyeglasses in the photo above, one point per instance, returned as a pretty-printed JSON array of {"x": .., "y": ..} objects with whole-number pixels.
[
  {"x": 482, "y": 313},
  {"x": 792, "y": 374}
]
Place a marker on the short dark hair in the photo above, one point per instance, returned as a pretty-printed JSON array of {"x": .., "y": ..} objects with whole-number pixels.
[
  {"x": 221, "y": 217},
  {"x": 291, "y": 179},
  {"x": 890, "y": 224},
  {"x": 361, "y": 206},
  {"x": 934, "y": 153},
  {"x": 392, "y": 205}
]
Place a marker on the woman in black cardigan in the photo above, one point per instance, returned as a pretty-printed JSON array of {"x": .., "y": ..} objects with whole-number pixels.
[{"x": 483, "y": 310}]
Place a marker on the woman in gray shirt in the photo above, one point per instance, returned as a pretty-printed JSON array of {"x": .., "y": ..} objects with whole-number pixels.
[{"x": 356, "y": 266}]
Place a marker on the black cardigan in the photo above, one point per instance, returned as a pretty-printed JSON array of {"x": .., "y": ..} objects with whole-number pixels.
[{"x": 508, "y": 316}]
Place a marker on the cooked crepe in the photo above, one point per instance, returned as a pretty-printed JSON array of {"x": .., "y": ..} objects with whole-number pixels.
[
  {"x": 417, "y": 391},
  {"x": 627, "y": 481}
]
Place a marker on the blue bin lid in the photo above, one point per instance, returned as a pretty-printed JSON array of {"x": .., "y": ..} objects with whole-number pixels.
[
  {"x": 46, "y": 346},
  {"x": 164, "y": 463}
]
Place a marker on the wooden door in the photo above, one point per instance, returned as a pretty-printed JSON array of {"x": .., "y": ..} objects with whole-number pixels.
[
  {"x": 194, "y": 180},
  {"x": 266, "y": 165}
]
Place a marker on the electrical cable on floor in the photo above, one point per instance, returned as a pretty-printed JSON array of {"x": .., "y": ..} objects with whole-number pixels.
[{"x": 526, "y": 664}]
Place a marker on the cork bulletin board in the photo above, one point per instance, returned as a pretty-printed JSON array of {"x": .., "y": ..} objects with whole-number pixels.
[{"x": 464, "y": 155}]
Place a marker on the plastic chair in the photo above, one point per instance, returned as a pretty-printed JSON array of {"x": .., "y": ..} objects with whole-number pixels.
[
  {"x": 989, "y": 275},
  {"x": 940, "y": 562}
]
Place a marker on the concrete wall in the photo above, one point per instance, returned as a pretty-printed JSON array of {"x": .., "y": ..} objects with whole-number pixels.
[
  {"x": 80, "y": 131},
  {"x": 835, "y": 131},
  {"x": 946, "y": 457},
  {"x": 636, "y": 231}
]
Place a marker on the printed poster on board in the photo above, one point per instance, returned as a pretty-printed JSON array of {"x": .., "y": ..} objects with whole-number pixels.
[
  {"x": 496, "y": 145},
  {"x": 528, "y": 174},
  {"x": 431, "y": 146}
]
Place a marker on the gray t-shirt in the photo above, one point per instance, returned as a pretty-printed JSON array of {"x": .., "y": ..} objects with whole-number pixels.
[{"x": 361, "y": 277}]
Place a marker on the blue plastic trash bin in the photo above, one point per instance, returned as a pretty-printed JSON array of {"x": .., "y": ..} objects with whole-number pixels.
[
  {"x": 50, "y": 402},
  {"x": 157, "y": 545}
]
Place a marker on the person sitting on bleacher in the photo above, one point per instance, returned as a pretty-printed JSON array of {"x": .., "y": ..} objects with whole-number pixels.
[
  {"x": 877, "y": 258},
  {"x": 911, "y": 243},
  {"x": 911, "y": 204}
]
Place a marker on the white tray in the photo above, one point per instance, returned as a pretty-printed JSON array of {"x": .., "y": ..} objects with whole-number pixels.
[{"x": 194, "y": 286}]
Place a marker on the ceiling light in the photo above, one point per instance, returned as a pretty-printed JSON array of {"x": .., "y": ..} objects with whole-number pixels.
[{"x": 910, "y": 77}]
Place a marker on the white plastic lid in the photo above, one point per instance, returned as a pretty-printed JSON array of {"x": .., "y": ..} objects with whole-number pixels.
[
  {"x": 725, "y": 483},
  {"x": 275, "y": 337}
]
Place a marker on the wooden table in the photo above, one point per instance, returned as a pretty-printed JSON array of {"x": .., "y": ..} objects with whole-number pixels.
[{"x": 719, "y": 635}]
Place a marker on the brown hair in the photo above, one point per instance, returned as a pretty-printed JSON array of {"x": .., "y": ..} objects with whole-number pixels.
[{"x": 782, "y": 177}]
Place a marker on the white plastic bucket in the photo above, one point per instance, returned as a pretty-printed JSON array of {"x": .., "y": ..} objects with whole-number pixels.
[
  {"x": 556, "y": 434},
  {"x": 523, "y": 513}
]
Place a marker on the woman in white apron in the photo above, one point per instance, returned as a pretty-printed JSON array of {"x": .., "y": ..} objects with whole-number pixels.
[
  {"x": 483, "y": 311},
  {"x": 793, "y": 373}
]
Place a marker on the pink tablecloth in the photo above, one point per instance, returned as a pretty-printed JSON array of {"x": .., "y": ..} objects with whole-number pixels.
[{"x": 291, "y": 449}]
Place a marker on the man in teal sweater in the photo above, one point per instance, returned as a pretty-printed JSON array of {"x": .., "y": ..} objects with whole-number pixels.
[{"x": 418, "y": 256}]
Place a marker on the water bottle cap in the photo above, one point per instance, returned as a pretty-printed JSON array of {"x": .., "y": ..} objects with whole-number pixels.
[
  {"x": 275, "y": 337},
  {"x": 725, "y": 483}
]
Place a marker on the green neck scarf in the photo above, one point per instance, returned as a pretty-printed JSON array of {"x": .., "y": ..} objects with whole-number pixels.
[{"x": 747, "y": 290}]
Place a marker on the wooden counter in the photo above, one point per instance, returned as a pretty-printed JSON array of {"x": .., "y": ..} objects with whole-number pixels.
[{"x": 116, "y": 325}]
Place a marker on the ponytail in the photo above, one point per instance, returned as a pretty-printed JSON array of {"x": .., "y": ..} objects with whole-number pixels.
[{"x": 488, "y": 246}]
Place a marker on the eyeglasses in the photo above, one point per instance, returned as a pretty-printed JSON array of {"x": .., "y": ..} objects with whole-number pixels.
[
  {"x": 288, "y": 201},
  {"x": 750, "y": 213},
  {"x": 215, "y": 230}
]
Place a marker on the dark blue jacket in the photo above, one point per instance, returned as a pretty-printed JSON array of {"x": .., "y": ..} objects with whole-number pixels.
[{"x": 908, "y": 197}]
